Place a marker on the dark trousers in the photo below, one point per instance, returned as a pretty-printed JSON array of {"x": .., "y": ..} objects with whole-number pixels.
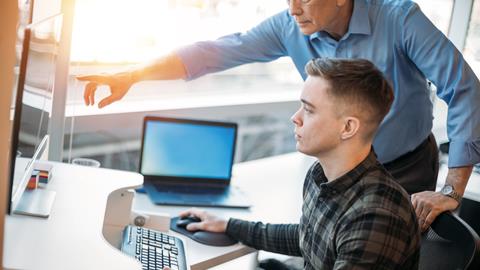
[{"x": 417, "y": 170}]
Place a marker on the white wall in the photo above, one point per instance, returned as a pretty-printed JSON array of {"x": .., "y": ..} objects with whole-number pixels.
[{"x": 45, "y": 8}]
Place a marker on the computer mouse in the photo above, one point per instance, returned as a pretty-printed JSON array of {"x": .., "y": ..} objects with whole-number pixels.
[
  {"x": 204, "y": 237},
  {"x": 183, "y": 222}
]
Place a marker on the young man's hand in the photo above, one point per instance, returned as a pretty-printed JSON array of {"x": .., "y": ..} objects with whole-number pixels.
[
  {"x": 209, "y": 222},
  {"x": 118, "y": 83}
]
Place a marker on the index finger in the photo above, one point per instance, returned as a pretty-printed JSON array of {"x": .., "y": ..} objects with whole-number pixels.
[
  {"x": 414, "y": 201},
  {"x": 417, "y": 199},
  {"x": 196, "y": 226},
  {"x": 100, "y": 79},
  {"x": 89, "y": 93},
  {"x": 192, "y": 212}
]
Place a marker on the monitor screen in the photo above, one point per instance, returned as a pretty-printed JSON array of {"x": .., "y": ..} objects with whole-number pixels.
[
  {"x": 187, "y": 149},
  {"x": 32, "y": 100}
]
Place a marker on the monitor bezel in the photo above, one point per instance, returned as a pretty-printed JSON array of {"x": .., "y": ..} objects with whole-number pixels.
[
  {"x": 17, "y": 117},
  {"x": 17, "y": 114}
]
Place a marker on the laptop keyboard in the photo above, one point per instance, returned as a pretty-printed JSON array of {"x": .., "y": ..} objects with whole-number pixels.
[
  {"x": 191, "y": 191},
  {"x": 229, "y": 196}
]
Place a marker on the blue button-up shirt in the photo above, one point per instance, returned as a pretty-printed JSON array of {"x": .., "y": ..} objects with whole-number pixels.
[{"x": 404, "y": 45}]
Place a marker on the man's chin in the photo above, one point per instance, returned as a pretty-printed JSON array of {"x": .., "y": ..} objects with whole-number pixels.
[
  {"x": 307, "y": 31},
  {"x": 301, "y": 150}
]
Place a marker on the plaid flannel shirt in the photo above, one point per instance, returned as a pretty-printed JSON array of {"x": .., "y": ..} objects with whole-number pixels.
[{"x": 362, "y": 220}]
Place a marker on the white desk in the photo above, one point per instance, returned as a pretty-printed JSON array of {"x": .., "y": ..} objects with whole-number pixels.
[
  {"x": 275, "y": 189},
  {"x": 71, "y": 238}
]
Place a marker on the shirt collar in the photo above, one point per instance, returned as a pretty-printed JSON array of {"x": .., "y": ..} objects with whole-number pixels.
[
  {"x": 359, "y": 22},
  {"x": 345, "y": 181}
]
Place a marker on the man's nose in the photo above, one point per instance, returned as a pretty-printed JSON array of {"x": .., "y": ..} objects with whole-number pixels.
[
  {"x": 295, "y": 7},
  {"x": 296, "y": 119}
]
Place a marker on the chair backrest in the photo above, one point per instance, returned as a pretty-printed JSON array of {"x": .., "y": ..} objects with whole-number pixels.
[{"x": 450, "y": 243}]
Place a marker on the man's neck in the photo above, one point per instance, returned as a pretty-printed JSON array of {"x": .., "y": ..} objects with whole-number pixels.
[
  {"x": 342, "y": 160},
  {"x": 340, "y": 27}
]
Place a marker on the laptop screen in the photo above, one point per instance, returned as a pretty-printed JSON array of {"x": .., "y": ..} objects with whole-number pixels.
[{"x": 187, "y": 148}]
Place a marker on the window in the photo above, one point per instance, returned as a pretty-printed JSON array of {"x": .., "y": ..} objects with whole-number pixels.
[
  {"x": 438, "y": 11},
  {"x": 472, "y": 44},
  {"x": 138, "y": 30},
  {"x": 110, "y": 35}
]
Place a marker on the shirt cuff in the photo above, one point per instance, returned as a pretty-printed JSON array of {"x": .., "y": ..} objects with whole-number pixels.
[
  {"x": 192, "y": 60},
  {"x": 461, "y": 153}
]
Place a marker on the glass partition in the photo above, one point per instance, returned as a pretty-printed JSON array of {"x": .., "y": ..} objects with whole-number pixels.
[
  {"x": 472, "y": 44},
  {"x": 106, "y": 39},
  {"x": 439, "y": 12}
]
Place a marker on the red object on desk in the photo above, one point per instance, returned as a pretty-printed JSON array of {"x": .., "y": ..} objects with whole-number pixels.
[{"x": 33, "y": 182}]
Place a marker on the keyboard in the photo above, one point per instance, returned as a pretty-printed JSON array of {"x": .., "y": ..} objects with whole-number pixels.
[
  {"x": 189, "y": 190},
  {"x": 155, "y": 250}
]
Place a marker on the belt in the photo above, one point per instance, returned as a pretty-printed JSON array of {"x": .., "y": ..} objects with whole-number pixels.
[{"x": 421, "y": 147}]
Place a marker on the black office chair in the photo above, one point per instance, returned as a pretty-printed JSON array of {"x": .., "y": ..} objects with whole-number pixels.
[{"x": 450, "y": 244}]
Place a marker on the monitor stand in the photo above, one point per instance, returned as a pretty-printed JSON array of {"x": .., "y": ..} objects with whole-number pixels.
[{"x": 36, "y": 202}]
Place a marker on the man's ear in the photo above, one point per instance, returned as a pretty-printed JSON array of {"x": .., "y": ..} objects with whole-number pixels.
[{"x": 350, "y": 127}]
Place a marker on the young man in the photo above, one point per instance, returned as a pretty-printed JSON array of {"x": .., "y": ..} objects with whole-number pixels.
[{"x": 354, "y": 214}]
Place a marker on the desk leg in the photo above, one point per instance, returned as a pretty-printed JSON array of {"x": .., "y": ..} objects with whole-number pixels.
[{"x": 117, "y": 215}]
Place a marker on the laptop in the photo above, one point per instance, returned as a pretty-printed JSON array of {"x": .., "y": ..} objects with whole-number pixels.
[{"x": 189, "y": 162}]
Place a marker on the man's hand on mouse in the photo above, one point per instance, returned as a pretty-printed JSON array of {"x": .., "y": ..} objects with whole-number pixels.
[{"x": 209, "y": 222}]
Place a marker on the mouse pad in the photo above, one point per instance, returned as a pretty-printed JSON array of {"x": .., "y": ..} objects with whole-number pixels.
[{"x": 207, "y": 238}]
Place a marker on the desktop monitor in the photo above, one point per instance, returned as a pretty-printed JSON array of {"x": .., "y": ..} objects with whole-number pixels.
[{"x": 31, "y": 112}]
